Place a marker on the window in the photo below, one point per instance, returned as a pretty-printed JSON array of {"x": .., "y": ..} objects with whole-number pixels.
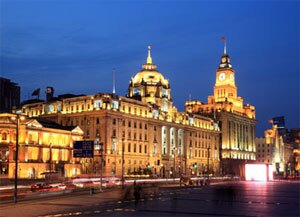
[
  {"x": 114, "y": 121},
  {"x": 129, "y": 135},
  {"x": 134, "y": 124},
  {"x": 114, "y": 133},
  {"x": 129, "y": 123},
  {"x": 97, "y": 121},
  {"x": 140, "y": 148},
  {"x": 134, "y": 148},
  {"x": 129, "y": 147},
  {"x": 146, "y": 149},
  {"x": 123, "y": 134},
  {"x": 140, "y": 125},
  {"x": 145, "y": 126},
  {"x": 134, "y": 136},
  {"x": 154, "y": 128},
  {"x": 123, "y": 123}
]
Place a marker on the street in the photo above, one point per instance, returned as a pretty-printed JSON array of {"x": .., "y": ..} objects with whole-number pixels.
[{"x": 223, "y": 199}]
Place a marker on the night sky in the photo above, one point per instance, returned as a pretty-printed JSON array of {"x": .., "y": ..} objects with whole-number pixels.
[{"x": 73, "y": 46}]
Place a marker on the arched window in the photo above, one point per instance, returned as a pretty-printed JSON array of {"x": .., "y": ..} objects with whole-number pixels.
[
  {"x": 172, "y": 139},
  {"x": 4, "y": 136}
]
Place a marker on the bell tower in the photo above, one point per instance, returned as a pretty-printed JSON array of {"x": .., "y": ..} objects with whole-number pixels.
[{"x": 225, "y": 88}]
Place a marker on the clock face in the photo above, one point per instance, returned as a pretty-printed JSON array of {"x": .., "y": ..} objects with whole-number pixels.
[
  {"x": 231, "y": 77},
  {"x": 222, "y": 76}
]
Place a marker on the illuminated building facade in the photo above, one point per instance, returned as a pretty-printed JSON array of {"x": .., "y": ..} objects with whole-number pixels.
[
  {"x": 43, "y": 146},
  {"x": 236, "y": 120},
  {"x": 144, "y": 127},
  {"x": 274, "y": 149}
]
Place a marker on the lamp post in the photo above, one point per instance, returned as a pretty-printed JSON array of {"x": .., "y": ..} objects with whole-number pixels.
[
  {"x": 123, "y": 180},
  {"x": 50, "y": 158},
  {"x": 180, "y": 169},
  {"x": 174, "y": 163},
  {"x": 208, "y": 153},
  {"x": 17, "y": 118},
  {"x": 101, "y": 163}
]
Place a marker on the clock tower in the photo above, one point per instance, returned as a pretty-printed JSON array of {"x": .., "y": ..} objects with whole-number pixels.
[{"x": 225, "y": 87}]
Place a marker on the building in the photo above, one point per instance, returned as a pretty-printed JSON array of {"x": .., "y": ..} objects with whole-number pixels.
[
  {"x": 272, "y": 149},
  {"x": 44, "y": 146},
  {"x": 280, "y": 123},
  {"x": 144, "y": 128},
  {"x": 237, "y": 121},
  {"x": 264, "y": 151},
  {"x": 9, "y": 95}
]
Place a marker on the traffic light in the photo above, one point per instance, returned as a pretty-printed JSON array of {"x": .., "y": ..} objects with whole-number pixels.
[
  {"x": 195, "y": 165},
  {"x": 148, "y": 165}
]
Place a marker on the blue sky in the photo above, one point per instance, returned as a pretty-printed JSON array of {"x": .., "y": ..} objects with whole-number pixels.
[{"x": 73, "y": 46}]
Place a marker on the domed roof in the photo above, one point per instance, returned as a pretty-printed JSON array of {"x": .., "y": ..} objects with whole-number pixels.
[{"x": 149, "y": 75}]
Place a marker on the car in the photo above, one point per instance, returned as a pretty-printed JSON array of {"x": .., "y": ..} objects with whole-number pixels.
[
  {"x": 40, "y": 187},
  {"x": 67, "y": 186}
]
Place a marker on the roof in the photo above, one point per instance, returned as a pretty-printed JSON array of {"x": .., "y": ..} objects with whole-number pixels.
[
  {"x": 31, "y": 101},
  {"x": 51, "y": 124}
]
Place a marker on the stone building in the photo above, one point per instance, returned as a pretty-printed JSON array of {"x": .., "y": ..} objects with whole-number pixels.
[
  {"x": 44, "y": 146},
  {"x": 144, "y": 127},
  {"x": 236, "y": 120}
]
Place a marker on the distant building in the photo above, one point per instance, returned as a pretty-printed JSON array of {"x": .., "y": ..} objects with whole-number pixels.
[
  {"x": 236, "y": 120},
  {"x": 43, "y": 146},
  {"x": 264, "y": 151},
  {"x": 9, "y": 95},
  {"x": 272, "y": 149},
  {"x": 279, "y": 121}
]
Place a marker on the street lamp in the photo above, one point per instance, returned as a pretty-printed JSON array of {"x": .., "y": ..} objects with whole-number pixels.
[
  {"x": 50, "y": 158},
  {"x": 123, "y": 180},
  {"x": 18, "y": 117},
  {"x": 208, "y": 153},
  {"x": 101, "y": 163},
  {"x": 174, "y": 152}
]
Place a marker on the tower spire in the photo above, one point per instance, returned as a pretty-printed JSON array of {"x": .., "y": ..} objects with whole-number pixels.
[
  {"x": 114, "y": 81},
  {"x": 149, "y": 59},
  {"x": 224, "y": 39}
]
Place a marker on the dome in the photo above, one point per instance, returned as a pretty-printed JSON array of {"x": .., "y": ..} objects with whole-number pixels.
[
  {"x": 149, "y": 75},
  {"x": 149, "y": 78}
]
